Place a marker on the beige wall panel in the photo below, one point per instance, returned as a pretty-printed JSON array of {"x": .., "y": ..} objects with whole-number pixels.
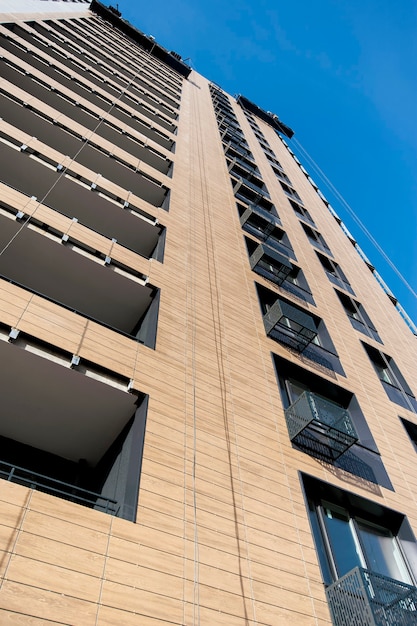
[
  {"x": 145, "y": 579},
  {"x": 109, "y": 616},
  {"x": 64, "y": 531},
  {"x": 130, "y": 598},
  {"x": 59, "y": 554},
  {"x": 12, "y": 617},
  {"x": 47, "y": 605},
  {"x": 57, "y": 579},
  {"x": 147, "y": 557}
]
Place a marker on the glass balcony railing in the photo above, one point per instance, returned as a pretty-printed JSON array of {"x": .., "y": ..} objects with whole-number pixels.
[
  {"x": 364, "y": 598},
  {"x": 320, "y": 427}
]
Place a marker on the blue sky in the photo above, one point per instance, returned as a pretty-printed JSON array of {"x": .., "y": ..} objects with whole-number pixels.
[{"x": 343, "y": 75}]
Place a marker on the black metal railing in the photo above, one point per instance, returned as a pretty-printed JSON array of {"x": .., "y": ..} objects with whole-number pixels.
[
  {"x": 364, "y": 598},
  {"x": 320, "y": 427},
  {"x": 67, "y": 491},
  {"x": 270, "y": 264},
  {"x": 289, "y": 325}
]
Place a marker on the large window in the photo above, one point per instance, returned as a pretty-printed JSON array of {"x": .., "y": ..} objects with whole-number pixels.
[
  {"x": 391, "y": 378},
  {"x": 411, "y": 430},
  {"x": 301, "y": 212},
  {"x": 298, "y": 329},
  {"x": 350, "y": 531},
  {"x": 367, "y": 555},
  {"x": 296, "y": 284}
]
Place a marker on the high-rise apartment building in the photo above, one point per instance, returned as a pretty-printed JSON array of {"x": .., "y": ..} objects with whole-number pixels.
[{"x": 208, "y": 402}]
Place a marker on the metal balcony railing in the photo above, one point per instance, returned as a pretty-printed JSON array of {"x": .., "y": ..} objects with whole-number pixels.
[
  {"x": 364, "y": 598},
  {"x": 270, "y": 264},
  {"x": 46, "y": 484},
  {"x": 320, "y": 427},
  {"x": 257, "y": 189},
  {"x": 259, "y": 222},
  {"x": 289, "y": 325}
]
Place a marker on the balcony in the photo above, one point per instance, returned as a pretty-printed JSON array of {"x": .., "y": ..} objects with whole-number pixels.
[
  {"x": 247, "y": 168},
  {"x": 237, "y": 147},
  {"x": 259, "y": 222},
  {"x": 63, "y": 103},
  {"x": 289, "y": 325},
  {"x": 67, "y": 429},
  {"x": 270, "y": 264},
  {"x": 364, "y": 598},
  {"x": 322, "y": 428},
  {"x": 59, "y": 488},
  {"x": 249, "y": 188},
  {"x": 64, "y": 139},
  {"x": 79, "y": 280}
]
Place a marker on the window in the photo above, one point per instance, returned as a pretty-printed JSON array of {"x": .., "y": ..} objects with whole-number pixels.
[
  {"x": 289, "y": 191},
  {"x": 302, "y": 213},
  {"x": 358, "y": 316},
  {"x": 335, "y": 273},
  {"x": 265, "y": 226},
  {"x": 367, "y": 555},
  {"x": 316, "y": 238},
  {"x": 391, "y": 378},
  {"x": 268, "y": 262},
  {"x": 411, "y": 430},
  {"x": 296, "y": 284},
  {"x": 287, "y": 323}
]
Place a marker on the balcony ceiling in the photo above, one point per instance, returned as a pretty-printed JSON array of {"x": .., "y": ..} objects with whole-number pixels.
[{"x": 56, "y": 409}]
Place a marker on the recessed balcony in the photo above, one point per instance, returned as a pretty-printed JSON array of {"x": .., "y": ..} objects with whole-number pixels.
[
  {"x": 320, "y": 427},
  {"x": 78, "y": 280},
  {"x": 62, "y": 138},
  {"x": 365, "y": 598},
  {"x": 67, "y": 432},
  {"x": 56, "y": 99},
  {"x": 270, "y": 264},
  {"x": 90, "y": 208}
]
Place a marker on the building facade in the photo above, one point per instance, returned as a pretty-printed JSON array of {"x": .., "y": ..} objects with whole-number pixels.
[{"x": 208, "y": 406}]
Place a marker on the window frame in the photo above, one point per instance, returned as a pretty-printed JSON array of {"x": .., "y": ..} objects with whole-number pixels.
[
  {"x": 335, "y": 273},
  {"x": 357, "y": 315},
  {"x": 391, "y": 378},
  {"x": 360, "y": 511}
]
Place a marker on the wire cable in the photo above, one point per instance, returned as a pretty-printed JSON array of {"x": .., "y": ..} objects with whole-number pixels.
[{"x": 353, "y": 215}]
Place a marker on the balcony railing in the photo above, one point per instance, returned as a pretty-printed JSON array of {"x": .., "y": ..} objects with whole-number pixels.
[
  {"x": 289, "y": 325},
  {"x": 259, "y": 222},
  {"x": 257, "y": 189},
  {"x": 364, "y": 598},
  {"x": 270, "y": 264},
  {"x": 320, "y": 427},
  {"x": 67, "y": 491}
]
